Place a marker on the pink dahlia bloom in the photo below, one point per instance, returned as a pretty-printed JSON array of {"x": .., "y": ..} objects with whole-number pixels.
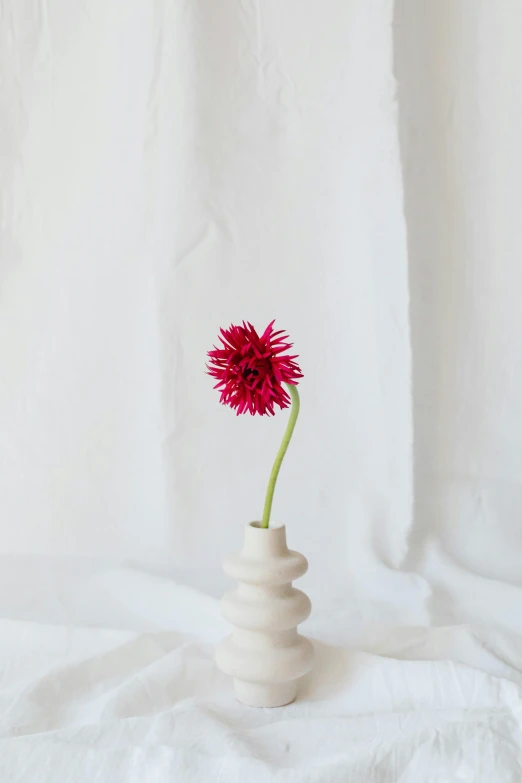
[{"x": 251, "y": 370}]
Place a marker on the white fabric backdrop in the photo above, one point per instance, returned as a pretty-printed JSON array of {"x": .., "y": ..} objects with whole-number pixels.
[{"x": 351, "y": 168}]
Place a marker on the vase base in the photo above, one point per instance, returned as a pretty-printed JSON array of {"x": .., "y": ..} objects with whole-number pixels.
[{"x": 255, "y": 694}]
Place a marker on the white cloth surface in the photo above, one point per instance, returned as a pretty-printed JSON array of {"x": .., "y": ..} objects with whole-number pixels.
[
  {"x": 93, "y": 704},
  {"x": 352, "y": 168}
]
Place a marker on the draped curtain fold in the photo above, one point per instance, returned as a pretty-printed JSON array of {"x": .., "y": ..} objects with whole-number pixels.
[{"x": 351, "y": 168}]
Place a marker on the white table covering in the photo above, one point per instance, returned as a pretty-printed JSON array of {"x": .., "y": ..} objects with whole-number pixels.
[{"x": 142, "y": 701}]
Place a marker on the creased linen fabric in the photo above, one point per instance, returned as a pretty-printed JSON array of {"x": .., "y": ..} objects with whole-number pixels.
[{"x": 350, "y": 168}]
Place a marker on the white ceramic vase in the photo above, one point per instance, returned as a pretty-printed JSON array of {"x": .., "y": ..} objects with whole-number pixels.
[{"x": 265, "y": 655}]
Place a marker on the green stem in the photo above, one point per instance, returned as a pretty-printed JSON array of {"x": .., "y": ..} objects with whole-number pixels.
[{"x": 294, "y": 413}]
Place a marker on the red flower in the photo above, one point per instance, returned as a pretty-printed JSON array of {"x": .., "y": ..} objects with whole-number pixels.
[{"x": 251, "y": 369}]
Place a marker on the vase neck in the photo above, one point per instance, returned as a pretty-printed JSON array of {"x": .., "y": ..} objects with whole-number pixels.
[{"x": 264, "y": 542}]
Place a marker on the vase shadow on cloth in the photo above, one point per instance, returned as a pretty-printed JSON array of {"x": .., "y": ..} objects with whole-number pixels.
[{"x": 331, "y": 673}]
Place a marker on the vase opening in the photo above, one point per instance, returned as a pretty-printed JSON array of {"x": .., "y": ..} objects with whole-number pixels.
[{"x": 271, "y": 525}]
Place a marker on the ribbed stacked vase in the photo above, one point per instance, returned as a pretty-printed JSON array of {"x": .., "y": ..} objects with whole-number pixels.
[{"x": 265, "y": 655}]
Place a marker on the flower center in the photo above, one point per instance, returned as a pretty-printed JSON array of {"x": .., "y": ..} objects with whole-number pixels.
[{"x": 247, "y": 371}]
